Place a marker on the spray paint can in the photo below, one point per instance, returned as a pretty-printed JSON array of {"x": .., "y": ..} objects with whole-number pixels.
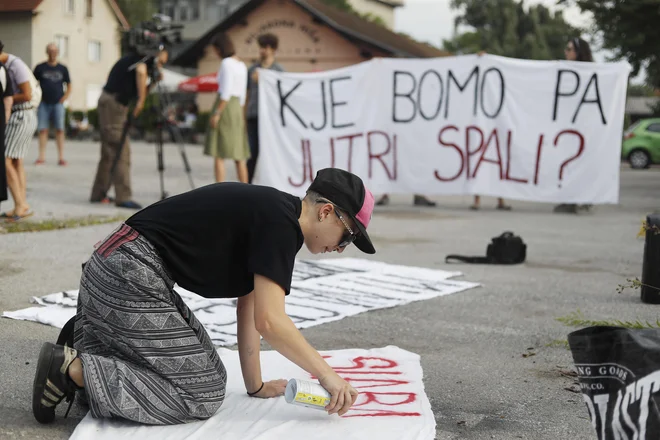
[{"x": 306, "y": 393}]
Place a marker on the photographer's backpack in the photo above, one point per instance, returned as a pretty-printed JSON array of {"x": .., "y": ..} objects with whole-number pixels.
[{"x": 508, "y": 248}]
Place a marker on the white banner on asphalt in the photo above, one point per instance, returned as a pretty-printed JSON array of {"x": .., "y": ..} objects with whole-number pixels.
[
  {"x": 392, "y": 404},
  {"x": 322, "y": 291},
  {"x": 545, "y": 131}
]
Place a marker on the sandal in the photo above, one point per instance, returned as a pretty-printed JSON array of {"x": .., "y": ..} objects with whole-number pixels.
[
  {"x": 17, "y": 218},
  {"x": 52, "y": 383}
]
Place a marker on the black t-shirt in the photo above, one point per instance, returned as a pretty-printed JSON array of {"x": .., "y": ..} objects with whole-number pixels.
[
  {"x": 121, "y": 81},
  {"x": 52, "y": 79},
  {"x": 215, "y": 238},
  {"x": 6, "y": 90}
]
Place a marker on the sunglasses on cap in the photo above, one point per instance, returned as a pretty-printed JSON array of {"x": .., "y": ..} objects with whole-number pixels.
[{"x": 349, "y": 236}]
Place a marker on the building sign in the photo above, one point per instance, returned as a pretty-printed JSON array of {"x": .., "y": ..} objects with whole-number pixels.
[{"x": 271, "y": 25}]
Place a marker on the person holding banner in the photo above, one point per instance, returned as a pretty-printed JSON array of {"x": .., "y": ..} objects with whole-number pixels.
[
  {"x": 576, "y": 49},
  {"x": 226, "y": 137},
  {"x": 500, "y": 204},
  {"x": 267, "y": 47}
]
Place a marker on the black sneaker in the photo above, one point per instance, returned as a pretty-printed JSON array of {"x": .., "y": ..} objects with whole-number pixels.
[
  {"x": 130, "y": 204},
  {"x": 52, "y": 383}
]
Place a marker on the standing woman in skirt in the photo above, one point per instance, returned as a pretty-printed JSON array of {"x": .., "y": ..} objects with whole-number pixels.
[
  {"x": 19, "y": 131},
  {"x": 226, "y": 137}
]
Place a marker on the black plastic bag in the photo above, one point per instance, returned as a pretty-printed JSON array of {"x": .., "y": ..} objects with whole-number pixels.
[{"x": 619, "y": 375}]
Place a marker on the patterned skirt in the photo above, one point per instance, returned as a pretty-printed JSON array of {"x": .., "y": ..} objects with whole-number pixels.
[{"x": 146, "y": 358}]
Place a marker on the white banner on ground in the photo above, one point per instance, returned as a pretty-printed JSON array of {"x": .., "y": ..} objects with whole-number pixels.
[
  {"x": 322, "y": 291},
  {"x": 392, "y": 404},
  {"x": 545, "y": 131}
]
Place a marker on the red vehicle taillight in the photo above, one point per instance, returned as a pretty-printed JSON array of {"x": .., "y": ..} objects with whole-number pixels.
[{"x": 629, "y": 136}]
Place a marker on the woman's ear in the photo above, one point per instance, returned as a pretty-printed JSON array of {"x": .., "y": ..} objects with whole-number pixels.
[{"x": 325, "y": 210}]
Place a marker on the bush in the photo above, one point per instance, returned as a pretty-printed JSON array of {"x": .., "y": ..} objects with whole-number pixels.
[
  {"x": 202, "y": 121},
  {"x": 92, "y": 117}
]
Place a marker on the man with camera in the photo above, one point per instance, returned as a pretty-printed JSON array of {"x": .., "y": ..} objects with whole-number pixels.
[{"x": 127, "y": 82}]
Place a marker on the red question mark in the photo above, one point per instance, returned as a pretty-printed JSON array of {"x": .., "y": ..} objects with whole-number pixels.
[{"x": 570, "y": 159}]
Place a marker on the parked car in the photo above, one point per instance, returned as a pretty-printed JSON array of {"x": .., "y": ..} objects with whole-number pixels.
[{"x": 641, "y": 143}]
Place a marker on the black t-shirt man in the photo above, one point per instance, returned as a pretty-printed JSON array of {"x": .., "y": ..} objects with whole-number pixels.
[
  {"x": 121, "y": 81},
  {"x": 215, "y": 238},
  {"x": 52, "y": 80}
]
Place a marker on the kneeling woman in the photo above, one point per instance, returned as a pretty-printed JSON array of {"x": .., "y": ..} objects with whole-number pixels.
[{"x": 140, "y": 354}]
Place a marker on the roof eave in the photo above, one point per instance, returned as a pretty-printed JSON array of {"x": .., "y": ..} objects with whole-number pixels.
[
  {"x": 187, "y": 57},
  {"x": 353, "y": 34}
]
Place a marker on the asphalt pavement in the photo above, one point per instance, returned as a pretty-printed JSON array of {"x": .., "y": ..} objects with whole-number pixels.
[{"x": 492, "y": 367}]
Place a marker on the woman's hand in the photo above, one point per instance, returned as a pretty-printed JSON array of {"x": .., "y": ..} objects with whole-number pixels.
[
  {"x": 214, "y": 120},
  {"x": 343, "y": 394},
  {"x": 273, "y": 388}
]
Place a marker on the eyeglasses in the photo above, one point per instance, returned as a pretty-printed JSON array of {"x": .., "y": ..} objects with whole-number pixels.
[{"x": 349, "y": 236}]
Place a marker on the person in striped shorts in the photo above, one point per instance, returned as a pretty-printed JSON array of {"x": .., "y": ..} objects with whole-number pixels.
[{"x": 19, "y": 131}]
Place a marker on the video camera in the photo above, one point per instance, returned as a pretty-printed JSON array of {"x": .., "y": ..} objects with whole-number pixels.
[{"x": 150, "y": 37}]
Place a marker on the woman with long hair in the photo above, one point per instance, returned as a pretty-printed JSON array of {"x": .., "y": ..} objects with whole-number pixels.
[
  {"x": 576, "y": 49},
  {"x": 226, "y": 137}
]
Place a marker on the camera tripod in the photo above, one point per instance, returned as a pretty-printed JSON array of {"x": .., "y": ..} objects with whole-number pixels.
[{"x": 162, "y": 124}]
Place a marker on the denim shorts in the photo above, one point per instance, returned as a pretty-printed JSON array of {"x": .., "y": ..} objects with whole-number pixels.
[{"x": 50, "y": 114}]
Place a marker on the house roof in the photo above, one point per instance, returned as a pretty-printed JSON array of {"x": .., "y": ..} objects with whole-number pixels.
[
  {"x": 349, "y": 25},
  {"x": 31, "y": 5},
  {"x": 19, "y": 5}
]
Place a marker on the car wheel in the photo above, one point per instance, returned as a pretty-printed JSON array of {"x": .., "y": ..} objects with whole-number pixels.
[{"x": 639, "y": 159}]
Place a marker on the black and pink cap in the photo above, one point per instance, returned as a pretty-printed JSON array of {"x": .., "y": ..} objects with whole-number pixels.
[{"x": 347, "y": 191}]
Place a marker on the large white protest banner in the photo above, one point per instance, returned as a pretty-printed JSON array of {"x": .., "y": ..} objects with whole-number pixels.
[{"x": 546, "y": 131}]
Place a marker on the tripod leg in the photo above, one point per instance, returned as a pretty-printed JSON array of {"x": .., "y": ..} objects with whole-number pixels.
[
  {"x": 161, "y": 162},
  {"x": 175, "y": 133}
]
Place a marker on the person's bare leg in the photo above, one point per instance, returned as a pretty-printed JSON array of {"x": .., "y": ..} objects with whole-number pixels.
[
  {"x": 59, "y": 137},
  {"x": 43, "y": 140},
  {"x": 76, "y": 372},
  {"x": 219, "y": 170},
  {"x": 477, "y": 202},
  {"x": 23, "y": 208},
  {"x": 501, "y": 205},
  {"x": 242, "y": 171},
  {"x": 13, "y": 184}
]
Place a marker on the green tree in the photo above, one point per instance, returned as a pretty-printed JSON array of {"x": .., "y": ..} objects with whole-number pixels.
[
  {"x": 505, "y": 27},
  {"x": 629, "y": 29},
  {"x": 137, "y": 11},
  {"x": 640, "y": 90},
  {"x": 345, "y": 6}
]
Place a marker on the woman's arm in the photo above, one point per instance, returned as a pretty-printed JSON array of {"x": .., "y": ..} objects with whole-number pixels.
[
  {"x": 9, "y": 101},
  {"x": 249, "y": 343},
  {"x": 280, "y": 332},
  {"x": 224, "y": 90},
  {"x": 25, "y": 93}
]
